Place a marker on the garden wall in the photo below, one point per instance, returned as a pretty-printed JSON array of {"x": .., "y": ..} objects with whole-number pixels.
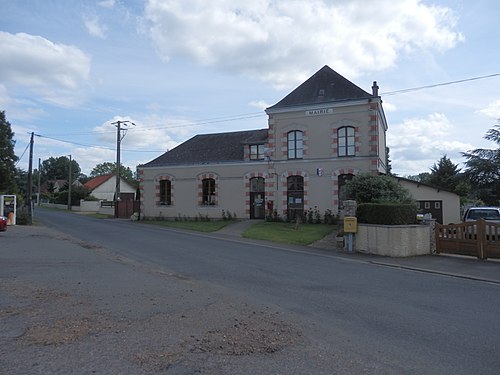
[{"x": 393, "y": 240}]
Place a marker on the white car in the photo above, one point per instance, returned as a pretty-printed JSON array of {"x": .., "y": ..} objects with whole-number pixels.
[{"x": 485, "y": 213}]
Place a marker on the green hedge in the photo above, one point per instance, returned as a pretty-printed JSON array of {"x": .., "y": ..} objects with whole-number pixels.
[{"x": 387, "y": 213}]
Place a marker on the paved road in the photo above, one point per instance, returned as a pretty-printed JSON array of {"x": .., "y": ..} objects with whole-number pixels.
[{"x": 336, "y": 314}]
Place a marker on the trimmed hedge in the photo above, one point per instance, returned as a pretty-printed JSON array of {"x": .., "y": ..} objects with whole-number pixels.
[{"x": 387, "y": 213}]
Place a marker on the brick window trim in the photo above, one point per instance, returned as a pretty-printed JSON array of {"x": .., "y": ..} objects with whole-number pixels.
[
  {"x": 200, "y": 178},
  {"x": 157, "y": 189}
]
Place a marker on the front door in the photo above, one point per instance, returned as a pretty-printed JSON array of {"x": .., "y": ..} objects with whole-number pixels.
[
  {"x": 295, "y": 197},
  {"x": 257, "y": 198}
]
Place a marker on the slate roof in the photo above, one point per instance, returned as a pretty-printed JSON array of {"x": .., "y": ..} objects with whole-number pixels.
[
  {"x": 334, "y": 88},
  {"x": 97, "y": 181},
  {"x": 211, "y": 148}
]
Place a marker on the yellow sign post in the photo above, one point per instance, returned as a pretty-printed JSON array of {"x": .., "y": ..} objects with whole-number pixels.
[
  {"x": 350, "y": 227},
  {"x": 350, "y": 224}
]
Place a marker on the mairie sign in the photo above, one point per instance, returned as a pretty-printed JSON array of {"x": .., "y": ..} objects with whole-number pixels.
[{"x": 316, "y": 112}]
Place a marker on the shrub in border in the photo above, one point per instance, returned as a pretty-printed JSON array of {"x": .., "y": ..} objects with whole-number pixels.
[{"x": 387, "y": 213}]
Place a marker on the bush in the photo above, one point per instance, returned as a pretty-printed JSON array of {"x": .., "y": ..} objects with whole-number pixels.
[
  {"x": 273, "y": 216},
  {"x": 366, "y": 188},
  {"x": 387, "y": 213},
  {"x": 329, "y": 218}
]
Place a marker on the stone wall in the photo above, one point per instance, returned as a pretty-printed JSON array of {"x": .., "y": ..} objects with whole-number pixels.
[{"x": 393, "y": 240}]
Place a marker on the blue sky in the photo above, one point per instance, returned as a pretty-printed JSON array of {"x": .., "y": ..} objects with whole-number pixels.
[{"x": 176, "y": 68}]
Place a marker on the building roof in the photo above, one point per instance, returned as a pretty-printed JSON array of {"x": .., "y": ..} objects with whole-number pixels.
[
  {"x": 97, "y": 181},
  {"x": 418, "y": 183},
  {"x": 326, "y": 85},
  {"x": 211, "y": 148},
  {"x": 225, "y": 147}
]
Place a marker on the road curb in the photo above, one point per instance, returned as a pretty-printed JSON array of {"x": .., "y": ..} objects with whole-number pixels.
[{"x": 437, "y": 272}]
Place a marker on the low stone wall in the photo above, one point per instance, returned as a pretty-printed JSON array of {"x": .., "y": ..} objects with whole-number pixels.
[
  {"x": 89, "y": 206},
  {"x": 393, "y": 240},
  {"x": 110, "y": 211}
]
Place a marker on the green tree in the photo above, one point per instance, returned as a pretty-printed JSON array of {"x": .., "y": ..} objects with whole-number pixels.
[
  {"x": 367, "y": 188},
  {"x": 108, "y": 168},
  {"x": 7, "y": 157},
  {"x": 21, "y": 178},
  {"x": 445, "y": 174},
  {"x": 389, "y": 166},
  {"x": 58, "y": 169},
  {"x": 483, "y": 169}
]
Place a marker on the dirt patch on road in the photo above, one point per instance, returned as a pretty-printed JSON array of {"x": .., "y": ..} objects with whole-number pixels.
[
  {"x": 179, "y": 338},
  {"x": 255, "y": 333}
]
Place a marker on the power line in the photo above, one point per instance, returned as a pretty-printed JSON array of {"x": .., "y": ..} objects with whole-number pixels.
[
  {"x": 95, "y": 146},
  {"x": 179, "y": 124},
  {"x": 18, "y": 160},
  {"x": 439, "y": 84}
]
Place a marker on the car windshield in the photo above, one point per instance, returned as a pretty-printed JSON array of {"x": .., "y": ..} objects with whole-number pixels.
[{"x": 485, "y": 214}]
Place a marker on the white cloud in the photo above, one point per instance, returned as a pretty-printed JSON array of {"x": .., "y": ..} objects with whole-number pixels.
[
  {"x": 94, "y": 27},
  {"x": 5, "y": 99},
  {"x": 107, "y": 3},
  {"x": 53, "y": 71},
  {"x": 492, "y": 110},
  {"x": 151, "y": 133},
  {"x": 279, "y": 40},
  {"x": 390, "y": 107},
  {"x": 260, "y": 104},
  {"x": 89, "y": 157},
  {"x": 418, "y": 143}
]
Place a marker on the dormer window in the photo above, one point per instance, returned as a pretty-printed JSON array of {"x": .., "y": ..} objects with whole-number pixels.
[{"x": 256, "y": 152}]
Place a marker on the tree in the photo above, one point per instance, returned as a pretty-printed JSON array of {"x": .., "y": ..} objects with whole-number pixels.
[
  {"x": 367, "y": 188},
  {"x": 446, "y": 175},
  {"x": 108, "y": 168},
  {"x": 483, "y": 168},
  {"x": 389, "y": 166},
  {"x": 58, "y": 169},
  {"x": 7, "y": 157}
]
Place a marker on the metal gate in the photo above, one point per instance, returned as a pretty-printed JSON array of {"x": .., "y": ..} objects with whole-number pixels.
[
  {"x": 125, "y": 209},
  {"x": 476, "y": 238}
]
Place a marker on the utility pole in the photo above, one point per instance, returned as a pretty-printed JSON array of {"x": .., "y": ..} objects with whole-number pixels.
[
  {"x": 39, "y": 177},
  {"x": 30, "y": 181},
  {"x": 69, "y": 185},
  {"x": 119, "y": 138}
]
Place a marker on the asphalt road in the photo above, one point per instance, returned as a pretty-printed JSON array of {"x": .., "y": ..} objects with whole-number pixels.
[{"x": 318, "y": 313}]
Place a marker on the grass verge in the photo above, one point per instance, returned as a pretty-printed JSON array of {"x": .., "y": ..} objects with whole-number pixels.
[
  {"x": 305, "y": 234},
  {"x": 200, "y": 226}
]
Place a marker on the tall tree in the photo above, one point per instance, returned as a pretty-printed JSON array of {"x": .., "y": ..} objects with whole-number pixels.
[
  {"x": 7, "y": 157},
  {"x": 447, "y": 175},
  {"x": 108, "y": 168},
  {"x": 58, "y": 169},
  {"x": 483, "y": 168},
  {"x": 389, "y": 166},
  {"x": 444, "y": 174}
]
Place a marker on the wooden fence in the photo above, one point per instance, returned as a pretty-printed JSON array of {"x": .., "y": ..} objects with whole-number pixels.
[{"x": 476, "y": 238}]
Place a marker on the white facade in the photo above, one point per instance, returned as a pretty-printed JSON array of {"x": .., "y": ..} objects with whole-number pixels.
[{"x": 106, "y": 191}]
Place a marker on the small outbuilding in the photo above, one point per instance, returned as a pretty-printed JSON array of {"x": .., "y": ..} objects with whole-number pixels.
[
  {"x": 443, "y": 205},
  {"x": 104, "y": 187}
]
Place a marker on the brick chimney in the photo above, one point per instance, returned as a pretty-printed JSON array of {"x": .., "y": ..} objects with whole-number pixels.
[{"x": 375, "y": 88}]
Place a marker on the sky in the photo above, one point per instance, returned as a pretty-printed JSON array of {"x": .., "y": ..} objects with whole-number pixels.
[{"x": 176, "y": 68}]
